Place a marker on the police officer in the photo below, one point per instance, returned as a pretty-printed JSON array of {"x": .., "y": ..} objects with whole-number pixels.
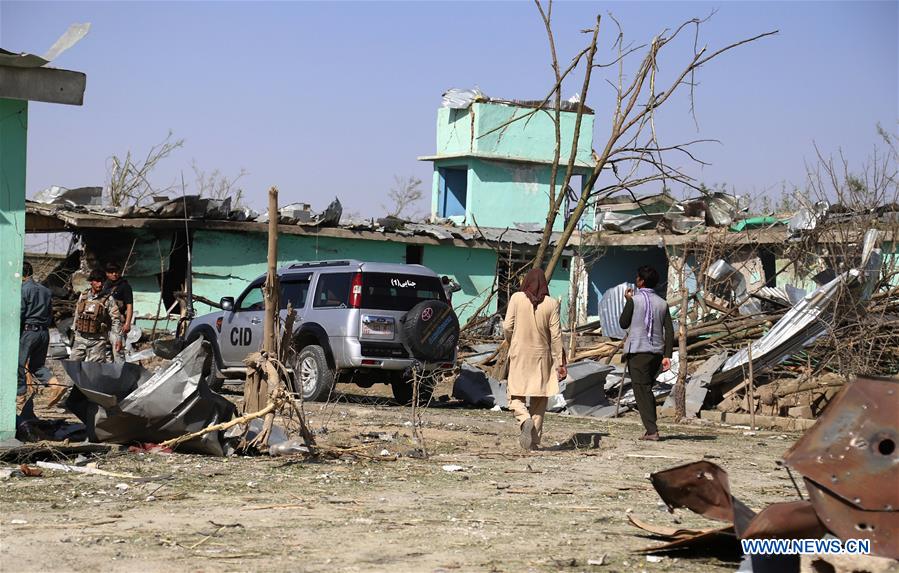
[
  {"x": 34, "y": 338},
  {"x": 123, "y": 296},
  {"x": 96, "y": 316}
]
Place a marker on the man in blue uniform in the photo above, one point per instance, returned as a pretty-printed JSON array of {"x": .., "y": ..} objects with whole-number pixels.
[{"x": 34, "y": 337}]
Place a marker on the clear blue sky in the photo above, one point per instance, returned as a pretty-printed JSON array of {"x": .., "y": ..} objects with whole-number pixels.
[{"x": 335, "y": 99}]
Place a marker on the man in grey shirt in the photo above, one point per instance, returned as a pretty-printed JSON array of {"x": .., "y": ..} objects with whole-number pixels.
[
  {"x": 650, "y": 340},
  {"x": 34, "y": 337}
]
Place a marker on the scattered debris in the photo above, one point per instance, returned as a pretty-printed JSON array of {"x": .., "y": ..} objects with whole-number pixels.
[
  {"x": 84, "y": 470},
  {"x": 124, "y": 403},
  {"x": 846, "y": 457}
]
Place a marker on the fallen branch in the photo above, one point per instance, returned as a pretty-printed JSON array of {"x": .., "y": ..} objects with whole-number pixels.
[{"x": 274, "y": 403}]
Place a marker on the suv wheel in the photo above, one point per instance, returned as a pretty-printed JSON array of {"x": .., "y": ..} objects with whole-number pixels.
[
  {"x": 402, "y": 389},
  {"x": 312, "y": 375},
  {"x": 214, "y": 379}
]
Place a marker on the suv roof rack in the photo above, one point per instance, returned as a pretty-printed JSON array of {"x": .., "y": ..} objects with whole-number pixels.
[{"x": 320, "y": 264}]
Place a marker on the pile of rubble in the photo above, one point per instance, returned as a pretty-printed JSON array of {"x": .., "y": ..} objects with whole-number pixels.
[{"x": 771, "y": 352}]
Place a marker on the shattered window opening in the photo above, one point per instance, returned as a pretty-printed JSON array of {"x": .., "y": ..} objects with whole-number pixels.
[{"x": 452, "y": 192}]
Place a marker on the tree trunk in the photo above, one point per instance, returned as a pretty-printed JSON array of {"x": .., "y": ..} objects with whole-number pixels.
[
  {"x": 680, "y": 387},
  {"x": 576, "y": 268},
  {"x": 256, "y": 388},
  {"x": 271, "y": 290}
]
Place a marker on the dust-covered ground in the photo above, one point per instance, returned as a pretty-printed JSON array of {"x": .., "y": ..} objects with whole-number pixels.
[{"x": 504, "y": 510}]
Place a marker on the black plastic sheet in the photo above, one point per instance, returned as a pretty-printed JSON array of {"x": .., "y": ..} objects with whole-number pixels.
[{"x": 124, "y": 403}]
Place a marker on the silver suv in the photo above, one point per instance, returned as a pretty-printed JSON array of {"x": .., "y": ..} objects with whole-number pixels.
[{"x": 357, "y": 322}]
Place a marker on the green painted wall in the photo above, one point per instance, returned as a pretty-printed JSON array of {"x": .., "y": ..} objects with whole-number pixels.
[
  {"x": 224, "y": 263},
  {"x": 532, "y": 138},
  {"x": 13, "y": 144},
  {"x": 473, "y": 269},
  {"x": 559, "y": 287},
  {"x": 503, "y": 194},
  {"x": 454, "y": 129}
]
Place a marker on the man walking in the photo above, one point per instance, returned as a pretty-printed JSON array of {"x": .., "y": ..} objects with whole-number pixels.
[
  {"x": 123, "y": 296},
  {"x": 536, "y": 358},
  {"x": 649, "y": 343},
  {"x": 96, "y": 316},
  {"x": 34, "y": 338}
]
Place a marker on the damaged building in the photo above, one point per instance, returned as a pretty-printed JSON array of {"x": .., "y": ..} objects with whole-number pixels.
[
  {"x": 23, "y": 78},
  {"x": 491, "y": 178}
]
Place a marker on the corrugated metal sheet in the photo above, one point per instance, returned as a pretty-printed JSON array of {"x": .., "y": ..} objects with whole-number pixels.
[
  {"x": 807, "y": 320},
  {"x": 610, "y": 307}
]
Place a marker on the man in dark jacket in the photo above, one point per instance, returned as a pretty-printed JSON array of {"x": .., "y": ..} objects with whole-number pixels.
[
  {"x": 34, "y": 337},
  {"x": 123, "y": 296},
  {"x": 650, "y": 340}
]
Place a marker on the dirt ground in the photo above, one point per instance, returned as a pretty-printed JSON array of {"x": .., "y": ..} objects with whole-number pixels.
[{"x": 505, "y": 510}]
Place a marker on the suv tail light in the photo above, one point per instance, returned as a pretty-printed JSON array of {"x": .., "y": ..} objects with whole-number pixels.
[{"x": 356, "y": 291}]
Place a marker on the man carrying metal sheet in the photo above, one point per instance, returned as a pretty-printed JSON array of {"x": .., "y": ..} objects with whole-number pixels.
[{"x": 649, "y": 343}]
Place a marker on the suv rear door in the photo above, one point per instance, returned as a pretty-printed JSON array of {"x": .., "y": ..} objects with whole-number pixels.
[{"x": 386, "y": 298}]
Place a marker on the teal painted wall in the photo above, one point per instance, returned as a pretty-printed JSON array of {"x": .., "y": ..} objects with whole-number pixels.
[
  {"x": 13, "y": 145},
  {"x": 501, "y": 193},
  {"x": 473, "y": 269},
  {"x": 454, "y": 129},
  {"x": 559, "y": 288},
  {"x": 533, "y": 138},
  {"x": 224, "y": 263}
]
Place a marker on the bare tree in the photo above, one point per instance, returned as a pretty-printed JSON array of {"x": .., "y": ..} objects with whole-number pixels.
[
  {"x": 864, "y": 341},
  {"x": 405, "y": 195},
  {"x": 632, "y": 154},
  {"x": 129, "y": 178},
  {"x": 217, "y": 185}
]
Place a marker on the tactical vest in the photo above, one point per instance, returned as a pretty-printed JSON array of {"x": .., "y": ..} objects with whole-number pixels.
[{"x": 93, "y": 318}]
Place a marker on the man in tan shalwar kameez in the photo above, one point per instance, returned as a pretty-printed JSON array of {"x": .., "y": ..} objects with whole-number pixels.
[{"x": 536, "y": 359}]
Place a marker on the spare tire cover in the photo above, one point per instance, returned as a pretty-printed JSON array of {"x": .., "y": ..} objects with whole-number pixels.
[{"x": 431, "y": 330}]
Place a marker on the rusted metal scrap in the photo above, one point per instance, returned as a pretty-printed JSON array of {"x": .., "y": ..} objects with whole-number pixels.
[
  {"x": 703, "y": 488},
  {"x": 720, "y": 539},
  {"x": 850, "y": 463},
  {"x": 787, "y": 520}
]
